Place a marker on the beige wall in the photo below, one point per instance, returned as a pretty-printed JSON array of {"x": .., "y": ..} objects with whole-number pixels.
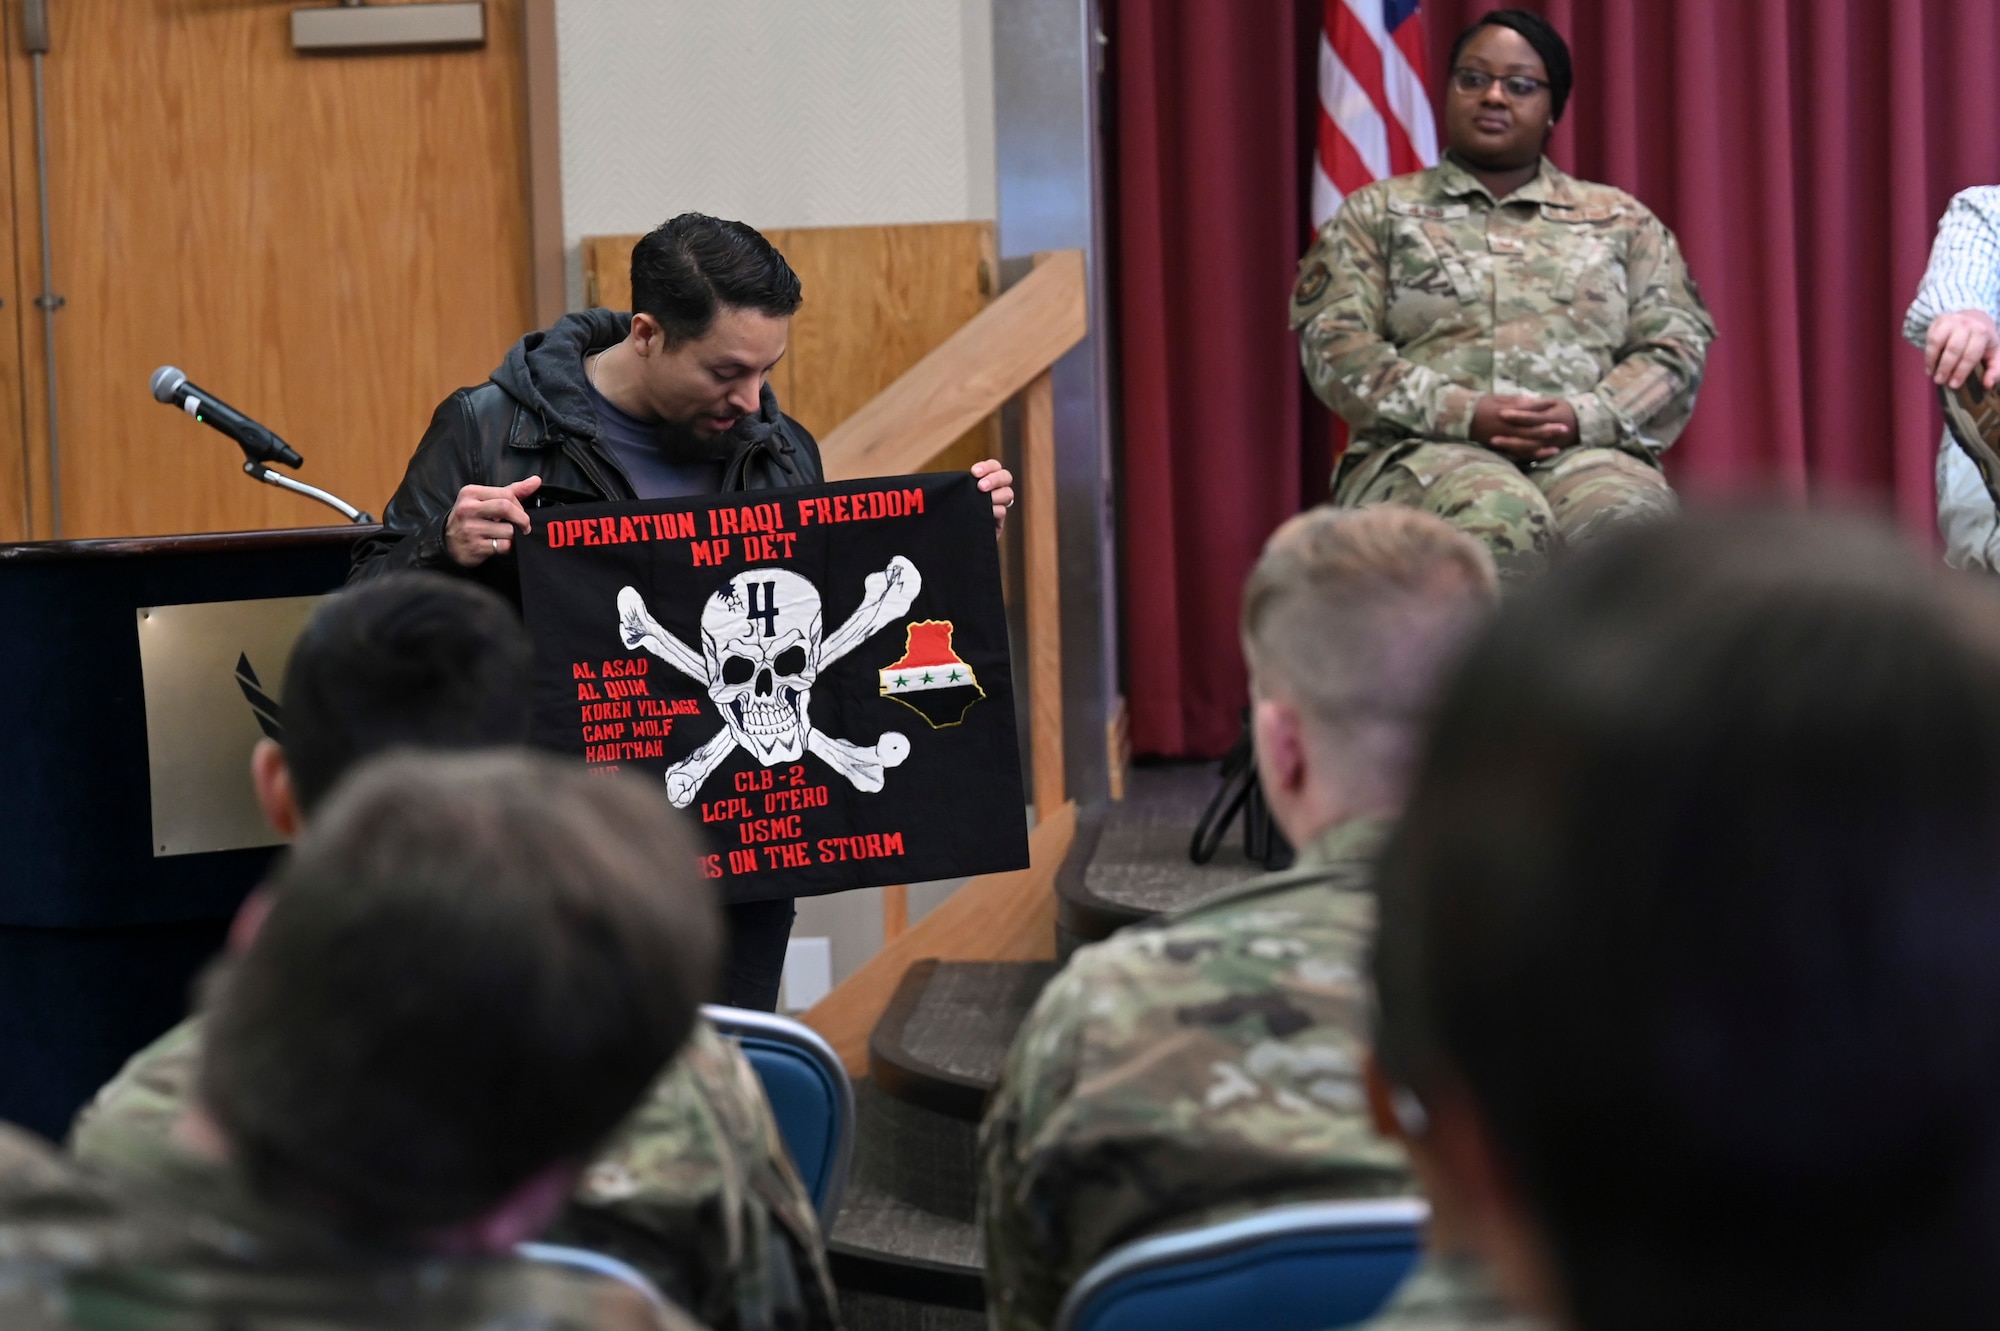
[{"x": 783, "y": 113}]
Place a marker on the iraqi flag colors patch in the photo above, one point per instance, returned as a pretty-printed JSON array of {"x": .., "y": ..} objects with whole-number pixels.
[{"x": 930, "y": 678}]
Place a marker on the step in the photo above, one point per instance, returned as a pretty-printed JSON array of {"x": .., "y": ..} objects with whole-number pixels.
[
  {"x": 933, "y": 1061},
  {"x": 899, "y": 1266},
  {"x": 905, "y": 1248},
  {"x": 886, "y": 1248},
  {"x": 1138, "y": 864},
  {"x": 944, "y": 1037}
]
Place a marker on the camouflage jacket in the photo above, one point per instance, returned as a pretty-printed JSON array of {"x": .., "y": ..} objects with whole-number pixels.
[
  {"x": 77, "y": 1251},
  {"x": 1449, "y": 1293},
  {"x": 1422, "y": 294},
  {"x": 1186, "y": 1070},
  {"x": 696, "y": 1189},
  {"x": 57, "y": 1217}
]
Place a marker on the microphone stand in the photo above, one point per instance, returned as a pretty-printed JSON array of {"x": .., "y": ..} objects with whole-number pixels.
[
  {"x": 259, "y": 471},
  {"x": 260, "y": 446}
]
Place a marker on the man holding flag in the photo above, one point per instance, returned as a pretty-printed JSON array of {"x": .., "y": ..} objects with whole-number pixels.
[{"x": 1511, "y": 348}]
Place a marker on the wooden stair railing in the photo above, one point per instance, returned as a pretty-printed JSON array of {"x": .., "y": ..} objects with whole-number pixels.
[
  {"x": 1006, "y": 349},
  {"x": 965, "y": 378}
]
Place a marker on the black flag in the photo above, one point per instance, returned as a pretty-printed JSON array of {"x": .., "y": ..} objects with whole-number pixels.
[{"x": 818, "y": 676}]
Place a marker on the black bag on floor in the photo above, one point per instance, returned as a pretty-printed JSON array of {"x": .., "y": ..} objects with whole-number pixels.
[{"x": 1242, "y": 793}]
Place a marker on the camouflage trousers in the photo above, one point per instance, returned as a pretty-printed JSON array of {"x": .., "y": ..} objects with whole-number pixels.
[{"x": 1523, "y": 513}]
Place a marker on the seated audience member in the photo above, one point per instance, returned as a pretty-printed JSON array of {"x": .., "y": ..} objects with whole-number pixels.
[
  {"x": 1512, "y": 348},
  {"x": 1952, "y": 319},
  {"x": 1687, "y": 994},
  {"x": 697, "y": 1189},
  {"x": 1211, "y": 1062},
  {"x": 471, "y": 970},
  {"x": 58, "y": 1222}
]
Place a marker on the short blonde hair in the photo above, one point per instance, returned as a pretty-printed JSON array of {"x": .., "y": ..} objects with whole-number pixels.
[{"x": 1354, "y": 613}]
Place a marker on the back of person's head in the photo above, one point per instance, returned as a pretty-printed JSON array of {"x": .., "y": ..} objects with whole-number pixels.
[
  {"x": 413, "y": 659},
  {"x": 1697, "y": 900},
  {"x": 688, "y": 268},
  {"x": 1539, "y": 33},
  {"x": 1352, "y": 614},
  {"x": 474, "y": 967}
]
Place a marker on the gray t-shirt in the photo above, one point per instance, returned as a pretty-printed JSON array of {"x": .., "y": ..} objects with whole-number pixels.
[{"x": 640, "y": 449}]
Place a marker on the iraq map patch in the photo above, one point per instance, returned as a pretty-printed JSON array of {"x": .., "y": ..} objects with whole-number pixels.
[
  {"x": 930, "y": 678},
  {"x": 818, "y": 676}
]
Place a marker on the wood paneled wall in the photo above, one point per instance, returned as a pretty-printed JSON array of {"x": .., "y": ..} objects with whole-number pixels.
[
  {"x": 329, "y": 243},
  {"x": 877, "y": 298}
]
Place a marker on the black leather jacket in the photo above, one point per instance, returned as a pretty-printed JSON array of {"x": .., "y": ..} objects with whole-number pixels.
[{"x": 534, "y": 418}]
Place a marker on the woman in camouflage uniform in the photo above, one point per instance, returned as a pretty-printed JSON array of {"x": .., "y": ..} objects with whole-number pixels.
[{"x": 1512, "y": 348}]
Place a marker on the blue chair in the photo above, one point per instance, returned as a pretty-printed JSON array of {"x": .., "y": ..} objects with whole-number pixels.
[
  {"x": 1292, "y": 1268},
  {"x": 810, "y": 1096}
]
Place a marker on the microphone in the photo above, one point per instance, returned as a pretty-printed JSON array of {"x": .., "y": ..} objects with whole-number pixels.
[{"x": 258, "y": 444}]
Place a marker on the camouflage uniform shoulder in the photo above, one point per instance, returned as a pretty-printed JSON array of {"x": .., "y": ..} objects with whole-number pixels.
[
  {"x": 1340, "y": 857},
  {"x": 227, "y": 1291},
  {"x": 127, "y": 1121},
  {"x": 56, "y": 1215},
  {"x": 1415, "y": 191},
  {"x": 59, "y": 1224},
  {"x": 1319, "y": 910},
  {"x": 1590, "y": 198},
  {"x": 29, "y": 1168},
  {"x": 1413, "y": 187},
  {"x": 1354, "y": 875},
  {"x": 697, "y": 1190},
  {"x": 1332, "y": 265}
]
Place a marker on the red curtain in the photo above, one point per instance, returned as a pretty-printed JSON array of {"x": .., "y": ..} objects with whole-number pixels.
[
  {"x": 1801, "y": 149},
  {"x": 1210, "y": 143}
]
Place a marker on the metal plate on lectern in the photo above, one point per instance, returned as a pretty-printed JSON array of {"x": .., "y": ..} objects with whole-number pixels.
[{"x": 213, "y": 673}]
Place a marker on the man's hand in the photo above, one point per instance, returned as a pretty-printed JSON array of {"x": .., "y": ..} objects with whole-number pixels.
[
  {"x": 1959, "y": 343},
  {"x": 1526, "y": 429},
  {"x": 485, "y": 520},
  {"x": 998, "y": 483}
]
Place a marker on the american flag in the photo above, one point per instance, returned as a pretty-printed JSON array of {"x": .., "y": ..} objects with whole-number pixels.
[{"x": 1374, "y": 110}]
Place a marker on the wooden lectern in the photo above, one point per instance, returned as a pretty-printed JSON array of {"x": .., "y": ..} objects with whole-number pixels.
[{"x": 134, "y": 677}]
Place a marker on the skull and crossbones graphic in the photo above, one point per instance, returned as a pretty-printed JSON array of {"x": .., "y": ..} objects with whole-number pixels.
[{"x": 761, "y": 652}]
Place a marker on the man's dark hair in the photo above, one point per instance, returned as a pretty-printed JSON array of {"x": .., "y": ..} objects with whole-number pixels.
[
  {"x": 473, "y": 967},
  {"x": 412, "y": 659},
  {"x": 686, "y": 269},
  {"x": 1698, "y": 899},
  {"x": 1540, "y": 34}
]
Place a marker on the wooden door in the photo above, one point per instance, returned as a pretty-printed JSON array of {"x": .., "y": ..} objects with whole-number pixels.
[
  {"x": 17, "y": 289},
  {"x": 328, "y": 243}
]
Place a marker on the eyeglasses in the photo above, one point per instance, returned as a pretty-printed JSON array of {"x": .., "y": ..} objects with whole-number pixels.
[{"x": 1518, "y": 87}]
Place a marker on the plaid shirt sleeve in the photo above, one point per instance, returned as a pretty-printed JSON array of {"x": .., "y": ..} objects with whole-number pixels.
[{"x": 1964, "y": 272}]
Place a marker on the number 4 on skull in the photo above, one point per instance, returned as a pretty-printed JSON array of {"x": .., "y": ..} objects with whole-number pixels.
[{"x": 761, "y": 651}]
